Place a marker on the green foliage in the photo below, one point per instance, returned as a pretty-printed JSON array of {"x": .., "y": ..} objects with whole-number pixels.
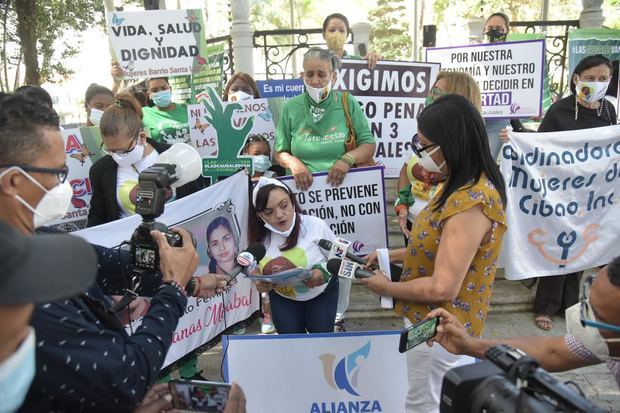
[
  {"x": 57, "y": 21},
  {"x": 390, "y": 30}
]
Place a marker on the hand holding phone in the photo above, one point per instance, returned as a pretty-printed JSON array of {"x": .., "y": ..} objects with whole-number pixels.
[
  {"x": 199, "y": 396},
  {"x": 418, "y": 334}
]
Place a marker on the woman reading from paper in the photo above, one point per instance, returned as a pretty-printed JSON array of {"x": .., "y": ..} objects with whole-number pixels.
[
  {"x": 290, "y": 240},
  {"x": 420, "y": 178},
  {"x": 313, "y": 135},
  {"x": 451, "y": 257}
]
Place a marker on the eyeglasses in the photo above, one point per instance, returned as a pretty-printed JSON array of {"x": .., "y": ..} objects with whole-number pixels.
[
  {"x": 61, "y": 173},
  {"x": 585, "y": 309},
  {"x": 417, "y": 150},
  {"x": 131, "y": 147}
]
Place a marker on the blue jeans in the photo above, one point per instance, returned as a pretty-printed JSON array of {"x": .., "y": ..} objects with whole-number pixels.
[{"x": 314, "y": 316}]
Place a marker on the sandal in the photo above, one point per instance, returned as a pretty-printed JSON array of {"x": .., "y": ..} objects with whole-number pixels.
[{"x": 544, "y": 322}]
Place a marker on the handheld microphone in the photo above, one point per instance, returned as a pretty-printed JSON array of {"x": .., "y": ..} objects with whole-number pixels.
[
  {"x": 252, "y": 254},
  {"x": 328, "y": 245},
  {"x": 347, "y": 269}
]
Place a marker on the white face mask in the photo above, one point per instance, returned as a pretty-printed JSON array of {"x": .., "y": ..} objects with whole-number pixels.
[
  {"x": 589, "y": 336},
  {"x": 16, "y": 375},
  {"x": 318, "y": 94},
  {"x": 239, "y": 95},
  {"x": 95, "y": 116},
  {"x": 260, "y": 163},
  {"x": 52, "y": 206},
  {"x": 428, "y": 163},
  {"x": 130, "y": 158},
  {"x": 591, "y": 91},
  {"x": 286, "y": 233}
]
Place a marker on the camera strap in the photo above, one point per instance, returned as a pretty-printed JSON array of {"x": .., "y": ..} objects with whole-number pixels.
[{"x": 129, "y": 295}]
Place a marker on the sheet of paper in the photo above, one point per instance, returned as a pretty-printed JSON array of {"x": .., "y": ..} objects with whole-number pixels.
[{"x": 383, "y": 258}]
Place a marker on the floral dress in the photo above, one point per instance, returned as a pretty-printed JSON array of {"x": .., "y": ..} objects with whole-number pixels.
[{"x": 471, "y": 304}]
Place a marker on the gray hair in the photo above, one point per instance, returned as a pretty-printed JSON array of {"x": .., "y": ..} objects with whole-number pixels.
[{"x": 325, "y": 55}]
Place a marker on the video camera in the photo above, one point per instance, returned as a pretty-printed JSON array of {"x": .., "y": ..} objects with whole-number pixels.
[
  {"x": 175, "y": 167},
  {"x": 508, "y": 381}
]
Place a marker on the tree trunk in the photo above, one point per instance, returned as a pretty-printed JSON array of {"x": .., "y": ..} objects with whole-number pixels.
[{"x": 26, "y": 11}]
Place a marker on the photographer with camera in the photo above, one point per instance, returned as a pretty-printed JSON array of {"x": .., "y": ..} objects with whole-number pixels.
[
  {"x": 593, "y": 330},
  {"x": 85, "y": 358}
]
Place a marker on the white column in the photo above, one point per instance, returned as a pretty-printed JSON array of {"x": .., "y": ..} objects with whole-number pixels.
[
  {"x": 476, "y": 29},
  {"x": 592, "y": 14},
  {"x": 242, "y": 34},
  {"x": 361, "y": 33}
]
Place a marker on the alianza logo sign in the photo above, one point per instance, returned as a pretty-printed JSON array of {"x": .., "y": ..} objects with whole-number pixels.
[{"x": 343, "y": 375}]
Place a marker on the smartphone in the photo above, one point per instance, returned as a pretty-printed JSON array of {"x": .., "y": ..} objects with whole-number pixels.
[
  {"x": 418, "y": 334},
  {"x": 199, "y": 396}
]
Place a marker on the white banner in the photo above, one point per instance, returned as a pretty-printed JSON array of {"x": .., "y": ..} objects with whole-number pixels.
[
  {"x": 157, "y": 43},
  {"x": 222, "y": 207},
  {"x": 355, "y": 210},
  {"x": 563, "y": 206},
  {"x": 320, "y": 373},
  {"x": 391, "y": 96},
  {"x": 510, "y": 74},
  {"x": 79, "y": 163}
]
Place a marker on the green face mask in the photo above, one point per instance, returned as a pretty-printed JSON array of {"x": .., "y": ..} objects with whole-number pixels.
[{"x": 428, "y": 100}]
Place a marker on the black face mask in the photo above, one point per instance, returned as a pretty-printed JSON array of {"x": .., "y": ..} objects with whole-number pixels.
[{"x": 495, "y": 36}]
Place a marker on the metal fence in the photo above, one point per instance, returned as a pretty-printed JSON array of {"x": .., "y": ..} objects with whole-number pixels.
[
  {"x": 227, "y": 55},
  {"x": 556, "y": 36},
  {"x": 282, "y": 50}
]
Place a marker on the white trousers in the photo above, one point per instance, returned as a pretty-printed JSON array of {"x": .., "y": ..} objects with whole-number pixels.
[
  {"x": 344, "y": 289},
  {"x": 426, "y": 367}
]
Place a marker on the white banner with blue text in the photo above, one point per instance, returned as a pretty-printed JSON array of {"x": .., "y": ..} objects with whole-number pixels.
[
  {"x": 563, "y": 206},
  {"x": 319, "y": 373},
  {"x": 216, "y": 215}
]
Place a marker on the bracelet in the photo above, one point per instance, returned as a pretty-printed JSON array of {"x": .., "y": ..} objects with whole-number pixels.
[
  {"x": 348, "y": 159},
  {"x": 190, "y": 287},
  {"x": 176, "y": 285}
]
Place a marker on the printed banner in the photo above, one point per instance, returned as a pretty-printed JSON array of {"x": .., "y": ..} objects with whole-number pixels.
[
  {"x": 286, "y": 88},
  {"x": 355, "y": 210},
  {"x": 333, "y": 373},
  {"x": 391, "y": 96},
  {"x": 510, "y": 74},
  {"x": 215, "y": 214},
  {"x": 158, "y": 42},
  {"x": 83, "y": 148},
  {"x": 186, "y": 88},
  {"x": 219, "y": 130},
  {"x": 563, "y": 206}
]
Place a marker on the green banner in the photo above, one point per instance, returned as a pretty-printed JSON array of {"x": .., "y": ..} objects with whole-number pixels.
[{"x": 586, "y": 42}]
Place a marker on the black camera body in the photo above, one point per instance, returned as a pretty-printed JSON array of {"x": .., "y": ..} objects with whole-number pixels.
[
  {"x": 508, "y": 381},
  {"x": 153, "y": 184}
]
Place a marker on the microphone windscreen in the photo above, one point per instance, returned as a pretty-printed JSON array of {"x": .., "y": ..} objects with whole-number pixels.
[
  {"x": 333, "y": 266},
  {"x": 325, "y": 244},
  {"x": 257, "y": 250}
]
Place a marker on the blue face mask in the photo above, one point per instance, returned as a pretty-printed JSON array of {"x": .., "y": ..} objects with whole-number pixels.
[
  {"x": 260, "y": 163},
  {"x": 16, "y": 375},
  {"x": 162, "y": 99}
]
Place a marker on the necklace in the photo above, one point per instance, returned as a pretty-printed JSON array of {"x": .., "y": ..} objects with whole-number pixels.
[{"x": 599, "y": 109}]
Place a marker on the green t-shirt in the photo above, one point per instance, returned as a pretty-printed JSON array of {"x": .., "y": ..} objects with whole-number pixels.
[
  {"x": 167, "y": 127},
  {"x": 315, "y": 133}
]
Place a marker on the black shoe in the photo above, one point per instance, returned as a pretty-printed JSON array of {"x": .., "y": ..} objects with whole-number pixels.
[{"x": 339, "y": 326}]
